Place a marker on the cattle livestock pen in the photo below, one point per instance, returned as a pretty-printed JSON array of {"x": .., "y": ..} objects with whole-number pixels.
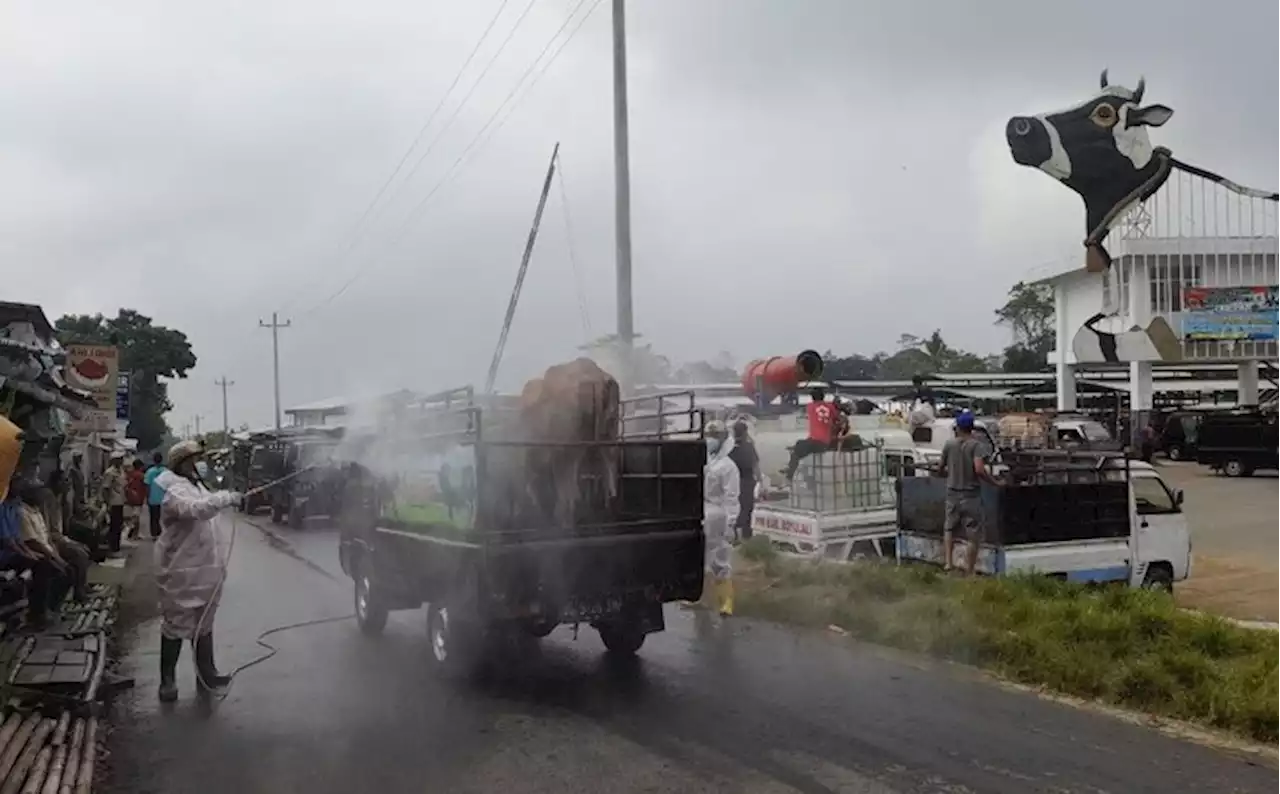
[{"x": 470, "y": 522}]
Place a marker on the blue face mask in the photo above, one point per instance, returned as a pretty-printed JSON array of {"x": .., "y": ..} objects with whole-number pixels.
[
  {"x": 202, "y": 469},
  {"x": 713, "y": 445}
]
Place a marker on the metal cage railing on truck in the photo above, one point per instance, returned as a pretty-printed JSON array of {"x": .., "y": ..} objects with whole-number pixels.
[
  {"x": 666, "y": 415},
  {"x": 658, "y": 472},
  {"x": 1044, "y": 496}
]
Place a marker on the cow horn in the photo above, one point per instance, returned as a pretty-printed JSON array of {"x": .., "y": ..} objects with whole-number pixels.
[
  {"x": 1102, "y": 83},
  {"x": 1137, "y": 92}
]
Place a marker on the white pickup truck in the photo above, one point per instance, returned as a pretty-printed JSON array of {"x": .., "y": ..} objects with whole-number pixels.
[{"x": 1069, "y": 523}]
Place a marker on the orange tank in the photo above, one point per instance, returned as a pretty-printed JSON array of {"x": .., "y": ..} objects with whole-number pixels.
[{"x": 766, "y": 378}]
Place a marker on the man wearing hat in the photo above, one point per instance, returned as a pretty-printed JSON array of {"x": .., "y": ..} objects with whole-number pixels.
[
  {"x": 191, "y": 567},
  {"x": 113, "y": 482}
]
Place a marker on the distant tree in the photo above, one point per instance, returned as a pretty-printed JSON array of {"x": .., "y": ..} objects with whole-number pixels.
[
  {"x": 854, "y": 367},
  {"x": 148, "y": 352},
  {"x": 1029, "y": 314}
]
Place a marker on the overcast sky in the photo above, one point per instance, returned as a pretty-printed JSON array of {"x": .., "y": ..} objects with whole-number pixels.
[{"x": 804, "y": 173}]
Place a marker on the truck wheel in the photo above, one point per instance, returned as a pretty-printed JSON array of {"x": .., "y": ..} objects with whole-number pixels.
[
  {"x": 277, "y": 514},
  {"x": 453, "y": 643},
  {"x": 371, "y": 613},
  {"x": 621, "y": 639},
  {"x": 296, "y": 518},
  {"x": 1234, "y": 468},
  {"x": 1158, "y": 578},
  {"x": 1175, "y": 452}
]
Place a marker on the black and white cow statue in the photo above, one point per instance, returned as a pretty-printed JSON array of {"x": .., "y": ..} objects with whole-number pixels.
[{"x": 1101, "y": 149}]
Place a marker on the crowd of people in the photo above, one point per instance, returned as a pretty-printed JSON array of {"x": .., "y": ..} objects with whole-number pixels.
[{"x": 53, "y": 529}]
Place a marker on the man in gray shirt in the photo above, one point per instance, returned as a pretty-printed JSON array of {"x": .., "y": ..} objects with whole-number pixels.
[{"x": 964, "y": 467}]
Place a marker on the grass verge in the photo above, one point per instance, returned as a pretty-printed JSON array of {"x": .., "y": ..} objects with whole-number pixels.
[{"x": 1125, "y": 647}]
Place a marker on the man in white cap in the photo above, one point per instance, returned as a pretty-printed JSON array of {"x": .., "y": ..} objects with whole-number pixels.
[
  {"x": 113, "y": 482},
  {"x": 191, "y": 567}
]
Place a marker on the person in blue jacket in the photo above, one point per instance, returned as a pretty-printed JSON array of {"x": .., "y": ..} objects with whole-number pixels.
[{"x": 155, "y": 493}]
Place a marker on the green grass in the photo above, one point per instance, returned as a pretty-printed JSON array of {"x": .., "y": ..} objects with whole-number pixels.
[{"x": 1129, "y": 648}]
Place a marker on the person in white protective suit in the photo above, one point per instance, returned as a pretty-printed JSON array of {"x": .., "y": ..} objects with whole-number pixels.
[
  {"x": 190, "y": 567},
  {"x": 720, "y": 507}
]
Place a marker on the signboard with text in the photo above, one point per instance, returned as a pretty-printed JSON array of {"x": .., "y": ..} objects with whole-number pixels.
[
  {"x": 1230, "y": 313},
  {"x": 122, "y": 397},
  {"x": 95, "y": 369}
]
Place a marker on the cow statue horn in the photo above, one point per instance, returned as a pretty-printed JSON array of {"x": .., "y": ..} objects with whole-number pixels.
[
  {"x": 1137, "y": 92},
  {"x": 1102, "y": 82}
]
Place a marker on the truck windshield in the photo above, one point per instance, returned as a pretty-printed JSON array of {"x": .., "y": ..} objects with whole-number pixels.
[{"x": 1094, "y": 431}]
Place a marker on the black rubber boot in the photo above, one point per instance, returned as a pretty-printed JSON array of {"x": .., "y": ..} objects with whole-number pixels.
[
  {"x": 207, "y": 677},
  {"x": 170, "y": 650}
]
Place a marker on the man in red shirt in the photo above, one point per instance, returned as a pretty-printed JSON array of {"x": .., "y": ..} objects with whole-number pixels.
[
  {"x": 822, "y": 430},
  {"x": 135, "y": 496}
]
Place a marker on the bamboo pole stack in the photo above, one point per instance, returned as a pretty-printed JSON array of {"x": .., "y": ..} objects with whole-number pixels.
[{"x": 47, "y": 755}]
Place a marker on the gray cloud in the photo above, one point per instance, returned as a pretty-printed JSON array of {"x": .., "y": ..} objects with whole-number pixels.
[{"x": 825, "y": 174}]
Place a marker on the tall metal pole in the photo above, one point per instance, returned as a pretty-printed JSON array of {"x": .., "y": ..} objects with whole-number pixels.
[
  {"x": 622, "y": 180},
  {"x": 197, "y": 418},
  {"x": 226, "y": 427},
  {"x": 275, "y": 327}
]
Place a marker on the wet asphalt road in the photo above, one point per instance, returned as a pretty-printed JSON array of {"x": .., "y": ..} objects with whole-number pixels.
[{"x": 733, "y": 707}]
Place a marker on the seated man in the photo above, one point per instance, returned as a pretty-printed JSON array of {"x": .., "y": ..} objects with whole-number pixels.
[
  {"x": 822, "y": 424},
  {"x": 38, "y": 540},
  {"x": 75, "y": 554},
  {"x": 16, "y": 556}
]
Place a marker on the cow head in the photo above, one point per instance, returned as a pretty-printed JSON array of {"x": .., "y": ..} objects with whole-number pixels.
[{"x": 1099, "y": 148}]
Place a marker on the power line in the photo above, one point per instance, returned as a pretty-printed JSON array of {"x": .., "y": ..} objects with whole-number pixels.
[
  {"x": 449, "y": 173},
  {"x": 358, "y": 230},
  {"x": 573, "y": 257},
  {"x": 457, "y": 111}
]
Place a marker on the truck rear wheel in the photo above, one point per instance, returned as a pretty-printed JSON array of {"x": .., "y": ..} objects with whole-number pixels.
[
  {"x": 1235, "y": 468},
  {"x": 621, "y": 638},
  {"x": 277, "y": 514},
  {"x": 454, "y": 643},
  {"x": 371, "y": 613}
]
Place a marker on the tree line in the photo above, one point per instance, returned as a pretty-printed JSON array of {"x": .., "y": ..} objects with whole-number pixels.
[{"x": 1027, "y": 313}]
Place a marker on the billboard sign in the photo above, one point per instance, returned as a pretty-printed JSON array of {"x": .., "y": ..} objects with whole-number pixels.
[
  {"x": 95, "y": 369},
  {"x": 1230, "y": 313}
]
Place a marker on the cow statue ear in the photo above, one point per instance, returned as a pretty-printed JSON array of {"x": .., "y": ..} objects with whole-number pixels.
[{"x": 1150, "y": 116}]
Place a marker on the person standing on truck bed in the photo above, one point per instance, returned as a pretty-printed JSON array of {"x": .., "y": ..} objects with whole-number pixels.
[
  {"x": 747, "y": 459},
  {"x": 964, "y": 467},
  {"x": 822, "y": 426}
]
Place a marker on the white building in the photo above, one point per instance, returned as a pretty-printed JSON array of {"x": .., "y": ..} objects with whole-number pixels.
[{"x": 1191, "y": 233}]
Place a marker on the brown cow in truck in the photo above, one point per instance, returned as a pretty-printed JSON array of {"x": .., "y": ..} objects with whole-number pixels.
[{"x": 569, "y": 407}]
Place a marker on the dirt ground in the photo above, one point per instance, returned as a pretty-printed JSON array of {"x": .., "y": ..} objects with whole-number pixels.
[{"x": 1234, "y": 542}]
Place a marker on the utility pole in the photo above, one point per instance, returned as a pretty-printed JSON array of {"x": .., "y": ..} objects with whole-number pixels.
[
  {"x": 197, "y": 418},
  {"x": 622, "y": 182},
  {"x": 226, "y": 428},
  {"x": 275, "y": 327}
]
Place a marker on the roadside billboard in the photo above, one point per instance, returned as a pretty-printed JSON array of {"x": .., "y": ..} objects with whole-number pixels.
[
  {"x": 95, "y": 369},
  {"x": 1230, "y": 313}
]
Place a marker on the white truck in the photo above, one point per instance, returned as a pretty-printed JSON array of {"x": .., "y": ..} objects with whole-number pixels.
[
  {"x": 1081, "y": 516},
  {"x": 839, "y": 505}
]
